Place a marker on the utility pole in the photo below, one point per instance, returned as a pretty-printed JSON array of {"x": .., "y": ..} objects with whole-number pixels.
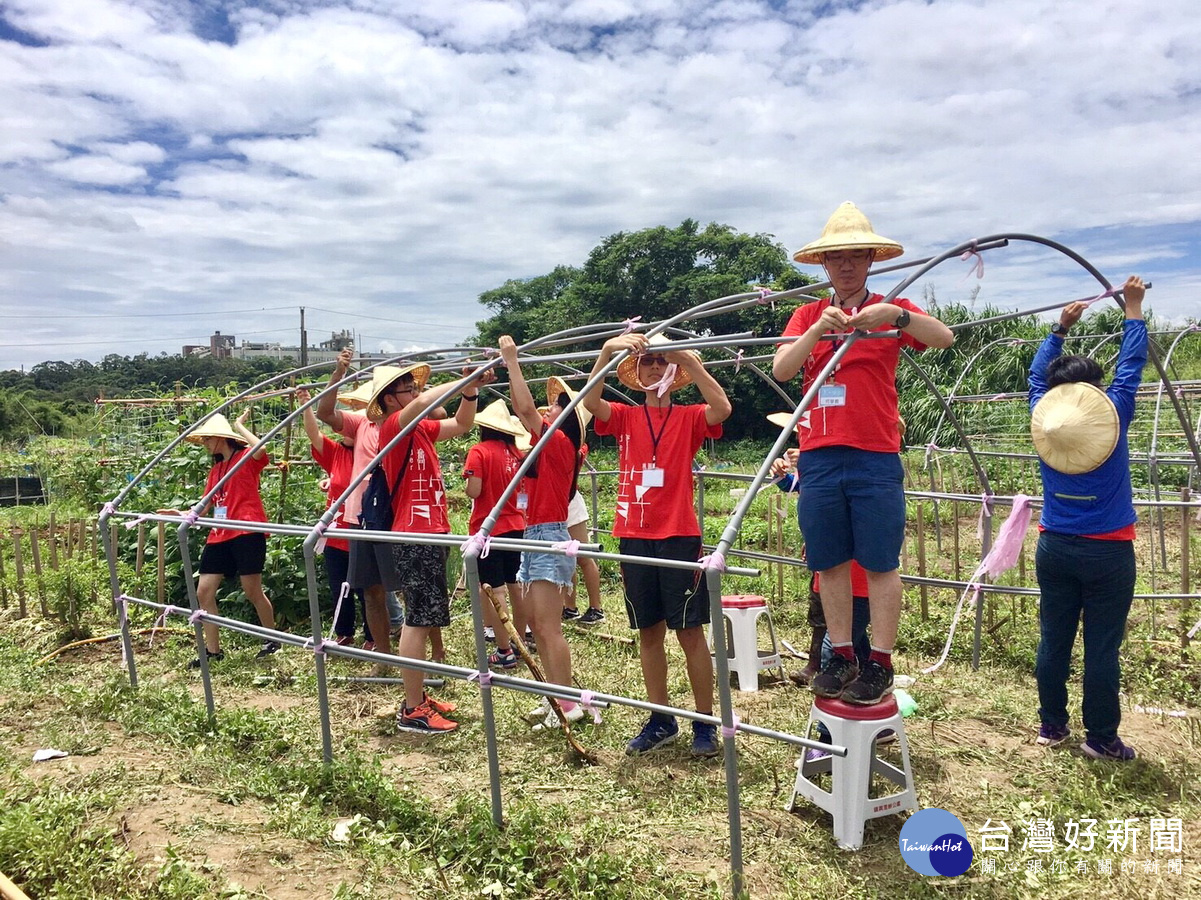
[{"x": 304, "y": 341}]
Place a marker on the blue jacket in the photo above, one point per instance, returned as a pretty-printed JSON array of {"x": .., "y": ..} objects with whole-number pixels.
[{"x": 1099, "y": 501}]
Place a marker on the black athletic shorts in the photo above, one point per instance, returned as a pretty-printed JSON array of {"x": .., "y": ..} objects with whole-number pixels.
[
  {"x": 372, "y": 563},
  {"x": 500, "y": 567},
  {"x": 655, "y": 593},
  {"x": 244, "y": 555}
]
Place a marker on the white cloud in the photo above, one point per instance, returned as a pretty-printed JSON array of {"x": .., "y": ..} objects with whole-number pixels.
[{"x": 395, "y": 159}]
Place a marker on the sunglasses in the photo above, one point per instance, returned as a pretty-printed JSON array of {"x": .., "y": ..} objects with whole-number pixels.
[{"x": 652, "y": 360}]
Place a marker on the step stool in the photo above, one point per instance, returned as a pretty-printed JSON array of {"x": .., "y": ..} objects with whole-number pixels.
[
  {"x": 741, "y": 613},
  {"x": 848, "y": 800}
]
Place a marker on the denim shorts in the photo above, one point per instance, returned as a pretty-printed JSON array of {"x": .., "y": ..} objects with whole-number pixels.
[
  {"x": 557, "y": 568},
  {"x": 852, "y": 506}
]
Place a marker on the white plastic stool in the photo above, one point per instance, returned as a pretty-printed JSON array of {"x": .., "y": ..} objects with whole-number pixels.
[
  {"x": 746, "y": 660},
  {"x": 849, "y": 800}
]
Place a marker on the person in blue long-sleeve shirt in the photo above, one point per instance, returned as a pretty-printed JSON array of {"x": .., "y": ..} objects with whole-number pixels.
[{"x": 1085, "y": 559}]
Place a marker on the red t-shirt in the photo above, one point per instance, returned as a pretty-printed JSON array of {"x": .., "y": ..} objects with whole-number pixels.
[
  {"x": 858, "y": 581},
  {"x": 338, "y": 462},
  {"x": 365, "y": 435},
  {"x": 667, "y": 437},
  {"x": 419, "y": 504},
  {"x": 550, "y": 492},
  {"x": 239, "y": 499},
  {"x": 494, "y": 463},
  {"x": 868, "y": 421}
]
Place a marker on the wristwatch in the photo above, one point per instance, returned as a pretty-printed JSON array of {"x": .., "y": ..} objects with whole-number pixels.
[
  {"x": 1059, "y": 329},
  {"x": 902, "y": 319}
]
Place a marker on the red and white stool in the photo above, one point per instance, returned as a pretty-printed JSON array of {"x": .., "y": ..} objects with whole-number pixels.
[
  {"x": 742, "y": 613},
  {"x": 849, "y": 799}
]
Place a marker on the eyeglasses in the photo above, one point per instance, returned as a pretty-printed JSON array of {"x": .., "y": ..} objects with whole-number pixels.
[
  {"x": 840, "y": 256},
  {"x": 409, "y": 389},
  {"x": 652, "y": 360}
]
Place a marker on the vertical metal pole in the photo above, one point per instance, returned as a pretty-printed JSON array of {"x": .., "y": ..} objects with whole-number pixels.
[
  {"x": 985, "y": 546},
  {"x": 717, "y": 628},
  {"x": 471, "y": 567},
  {"x": 310, "y": 565},
  {"x": 114, "y": 583},
  {"x": 189, "y": 581}
]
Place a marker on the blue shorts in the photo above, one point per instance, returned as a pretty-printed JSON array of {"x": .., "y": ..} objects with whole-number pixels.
[
  {"x": 557, "y": 568},
  {"x": 852, "y": 506}
]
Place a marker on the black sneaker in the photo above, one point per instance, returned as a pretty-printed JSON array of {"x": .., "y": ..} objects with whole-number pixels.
[
  {"x": 213, "y": 657},
  {"x": 873, "y": 685},
  {"x": 270, "y": 648},
  {"x": 835, "y": 675},
  {"x": 592, "y": 616},
  {"x": 570, "y": 614}
]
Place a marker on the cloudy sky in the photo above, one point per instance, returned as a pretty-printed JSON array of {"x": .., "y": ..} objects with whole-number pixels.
[{"x": 169, "y": 169}]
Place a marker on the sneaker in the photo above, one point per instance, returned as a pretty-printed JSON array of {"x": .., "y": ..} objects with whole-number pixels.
[
  {"x": 489, "y": 634},
  {"x": 269, "y": 648},
  {"x": 1052, "y": 735},
  {"x": 538, "y": 713},
  {"x": 425, "y": 719},
  {"x": 835, "y": 675},
  {"x": 570, "y": 614},
  {"x": 550, "y": 721},
  {"x": 503, "y": 659},
  {"x": 873, "y": 685},
  {"x": 345, "y": 640},
  {"x": 1115, "y": 749},
  {"x": 704, "y": 740},
  {"x": 368, "y": 646},
  {"x": 886, "y": 737},
  {"x": 213, "y": 657},
  {"x": 655, "y": 733},
  {"x": 813, "y": 754},
  {"x": 443, "y": 706},
  {"x": 531, "y": 645},
  {"x": 592, "y": 616}
]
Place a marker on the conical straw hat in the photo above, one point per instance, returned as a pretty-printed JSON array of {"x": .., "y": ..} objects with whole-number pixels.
[
  {"x": 848, "y": 229},
  {"x": 382, "y": 378},
  {"x": 556, "y": 386},
  {"x": 215, "y": 425},
  {"x": 1075, "y": 427},
  {"x": 497, "y": 417},
  {"x": 627, "y": 369}
]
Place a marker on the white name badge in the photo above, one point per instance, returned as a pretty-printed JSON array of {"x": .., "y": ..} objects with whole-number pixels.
[
  {"x": 523, "y": 501},
  {"x": 652, "y": 476},
  {"x": 832, "y": 395},
  {"x": 221, "y": 512}
]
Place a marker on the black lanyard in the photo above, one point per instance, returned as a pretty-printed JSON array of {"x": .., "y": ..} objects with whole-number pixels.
[{"x": 655, "y": 438}]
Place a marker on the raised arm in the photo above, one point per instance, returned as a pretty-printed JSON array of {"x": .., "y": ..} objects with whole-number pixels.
[
  {"x": 1128, "y": 370},
  {"x": 717, "y": 404},
  {"x": 1051, "y": 348},
  {"x": 311, "y": 428},
  {"x": 249, "y": 436},
  {"x": 519, "y": 392},
  {"x": 594, "y": 400},
  {"x": 327, "y": 406}
]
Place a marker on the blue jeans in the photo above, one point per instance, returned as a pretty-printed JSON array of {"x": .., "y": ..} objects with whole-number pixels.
[{"x": 1081, "y": 577}]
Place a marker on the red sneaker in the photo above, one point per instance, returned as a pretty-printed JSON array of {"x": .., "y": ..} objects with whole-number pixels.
[
  {"x": 424, "y": 720},
  {"x": 443, "y": 706}
]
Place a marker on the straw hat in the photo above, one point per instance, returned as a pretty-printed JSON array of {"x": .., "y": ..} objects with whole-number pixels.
[
  {"x": 496, "y": 416},
  {"x": 1075, "y": 427},
  {"x": 524, "y": 441},
  {"x": 382, "y": 378},
  {"x": 217, "y": 426},
  {"x": 848, "y": 229},
  {"x": 627, "y": 369},
  {"x": 556, "y": 386},
  {"x": 781, "y": 420},
  {"x": 358, "y": 398}
]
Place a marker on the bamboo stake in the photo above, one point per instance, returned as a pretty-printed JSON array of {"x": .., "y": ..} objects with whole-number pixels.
[
  {"x": 955, "y": 540},
  {"x": 35, "y": 554},
  {"x": 1186, "y": 612},
  {"x": 9, "y": 891},
  {"x": 518, "y": 643},
  {"x": 3, "y": 583},
  {"x": 140, "y": 559},
  {"x": 19, "y": 565},
  {"x": 921, "y": 561},
  {"x": 53, "y": 542}
]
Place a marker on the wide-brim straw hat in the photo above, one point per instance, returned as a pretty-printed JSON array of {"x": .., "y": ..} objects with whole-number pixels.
[
  {"x": 217, "y": 426},
  {"x": 627, "y": 369},
  {"x": 496, "y": 416},
  {"x": 1075, "y": 427},
  {"x": 781, "y": 420},
  {"x": 556, "y": 386},
  {"x": 358, "y": 398},
  {"x": 382, "y": 378},
  {"x": 524, "y": 440},
  {"x": 848, "y": 229}
]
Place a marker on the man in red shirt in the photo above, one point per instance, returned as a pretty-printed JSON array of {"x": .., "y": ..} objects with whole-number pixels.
[
  {"x": 852, "y": 503},
  {"x": 414, "y": 474},
  {"x": 656, "y": 517}
]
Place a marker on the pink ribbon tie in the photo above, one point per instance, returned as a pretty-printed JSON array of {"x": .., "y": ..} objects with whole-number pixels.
[
  {"x": 135, "y": 522},
  {"x": 978, "y": 266},
  {"x": 484, "y": 678},
  {"x": 196, "y": 616},
  {"x": 629, "y": 324},
  {"x": 570, "y": 548},
  {"x": 737, "y": 362},
  {"x": 715, "y": 560},
  {"x": 733, "y": 729},
  {"x": 191, "y": 517},
  {"x": 586, "y": 700}
]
